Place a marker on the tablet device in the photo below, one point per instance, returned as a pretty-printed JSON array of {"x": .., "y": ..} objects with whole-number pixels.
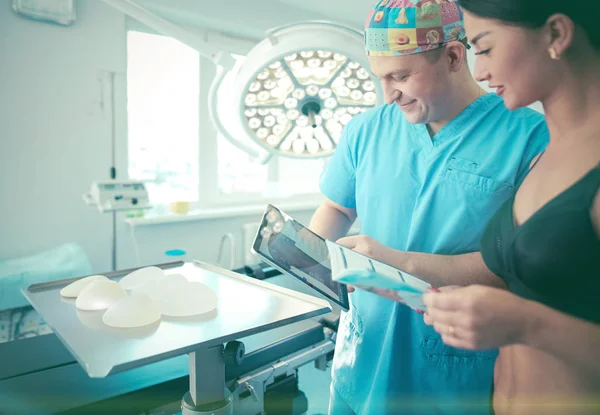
[{"x": 297, "y": 251}]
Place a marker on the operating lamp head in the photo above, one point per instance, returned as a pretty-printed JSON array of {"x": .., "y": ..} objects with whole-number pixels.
[
  {"x": 300, "y": 104},
  {"x": 295, "y": 101}
]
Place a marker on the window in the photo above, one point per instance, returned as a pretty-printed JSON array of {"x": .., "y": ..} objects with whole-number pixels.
[
  {"x": 236, "y": 171},
  {"x": 280, "y": 178},
  {"x": 162, "y": 108},
  {"x": 163, "y": 88}
]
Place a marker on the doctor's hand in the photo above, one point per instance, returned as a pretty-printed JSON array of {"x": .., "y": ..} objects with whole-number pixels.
[
  {"x": 372, "y": 248},
  {"x": 477, "y": 317},
  {"x": 365, "y": 245}
]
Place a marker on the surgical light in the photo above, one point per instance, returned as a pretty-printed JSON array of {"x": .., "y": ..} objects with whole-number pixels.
[
  {"x": 295, "y": 90},
  {"x": 318, "y": 72}
]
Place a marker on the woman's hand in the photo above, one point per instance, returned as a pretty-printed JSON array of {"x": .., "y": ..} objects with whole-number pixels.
[{"x": 477, "y": 317}]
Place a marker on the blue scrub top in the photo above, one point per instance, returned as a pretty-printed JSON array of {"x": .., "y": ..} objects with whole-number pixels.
[{"x": 417, "y": 193}]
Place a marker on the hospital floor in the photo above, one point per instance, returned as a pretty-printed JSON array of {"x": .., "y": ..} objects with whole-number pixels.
[{"x": 315, "y": 385}]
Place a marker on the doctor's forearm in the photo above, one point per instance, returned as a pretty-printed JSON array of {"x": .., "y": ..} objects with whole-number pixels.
[
  {"x": 441, "y": 270},
  {"x": 330, "y": 223}
]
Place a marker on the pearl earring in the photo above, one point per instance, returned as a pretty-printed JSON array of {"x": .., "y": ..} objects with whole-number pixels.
[{"x": 552, "y": 53}]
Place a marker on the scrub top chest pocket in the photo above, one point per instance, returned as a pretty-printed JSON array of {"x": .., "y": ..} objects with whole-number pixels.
[{"x": 465, "y": 173}]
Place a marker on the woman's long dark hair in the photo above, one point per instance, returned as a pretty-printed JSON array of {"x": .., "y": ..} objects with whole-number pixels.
[{"x": 533, "y": 14}]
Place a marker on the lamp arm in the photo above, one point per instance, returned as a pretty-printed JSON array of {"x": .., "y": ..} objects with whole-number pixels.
[
  {"x": 134, "y": 10},
  {"x": 273, "y": 31}
]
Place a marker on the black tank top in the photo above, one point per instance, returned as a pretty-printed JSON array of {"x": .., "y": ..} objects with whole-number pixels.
[{"x": 554, "y": 256}]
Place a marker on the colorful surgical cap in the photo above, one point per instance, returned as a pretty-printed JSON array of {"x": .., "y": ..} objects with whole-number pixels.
[{"x": 403, "y": 27}]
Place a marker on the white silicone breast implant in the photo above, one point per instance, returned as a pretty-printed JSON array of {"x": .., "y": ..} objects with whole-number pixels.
[
  {"x": 189, "y": 299},
  {"x": 136, "y": 310},
  {"x": 72, "y": 290},
  {"x": 140, "y": 277},
  {"x": 99, "y": 295},
  {"x": 156, "y": 289}
]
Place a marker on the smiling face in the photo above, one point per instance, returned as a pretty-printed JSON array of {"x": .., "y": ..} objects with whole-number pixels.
[
  {"x": 416, "y": 84},
  {"x": 512, "y": 59}
]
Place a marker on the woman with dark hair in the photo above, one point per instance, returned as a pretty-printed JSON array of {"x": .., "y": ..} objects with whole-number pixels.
[{"x": 544, "y": 242}]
